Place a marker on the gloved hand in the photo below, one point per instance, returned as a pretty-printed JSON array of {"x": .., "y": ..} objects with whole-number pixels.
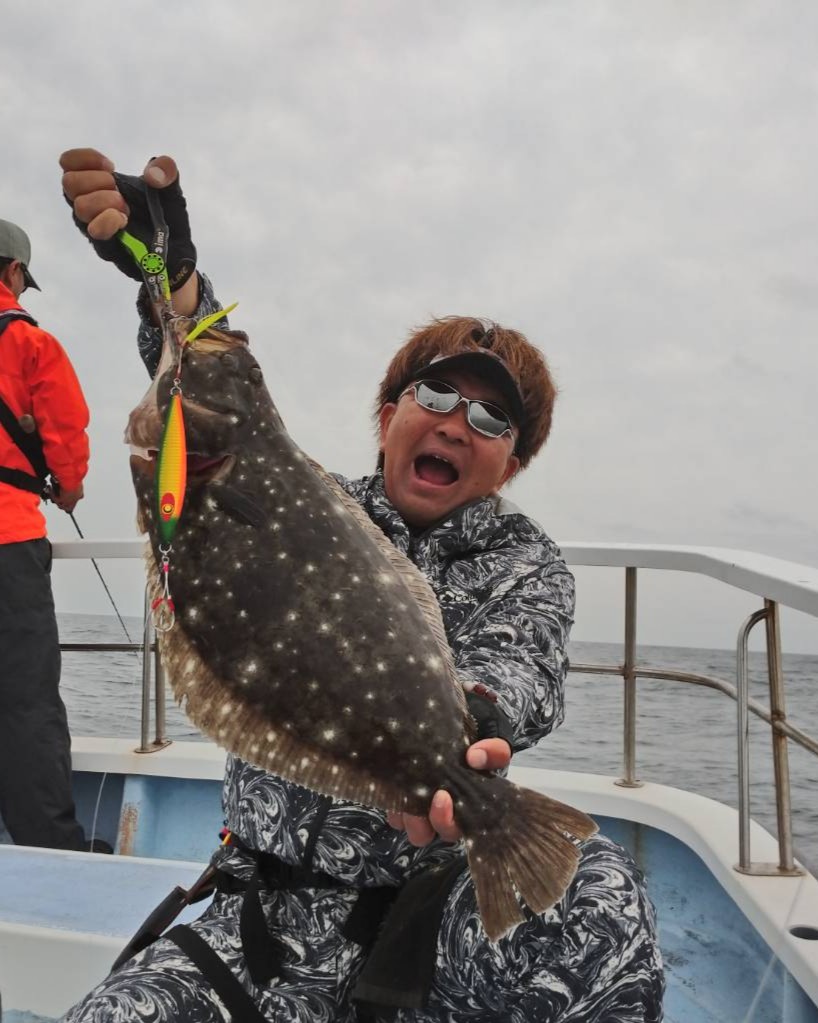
[
  {"x": 491, "y": 721},
  {"x": 104, "y": 202}
]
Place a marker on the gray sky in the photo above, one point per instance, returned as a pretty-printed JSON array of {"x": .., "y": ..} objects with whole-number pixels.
[{"x": 630, "y": 184}]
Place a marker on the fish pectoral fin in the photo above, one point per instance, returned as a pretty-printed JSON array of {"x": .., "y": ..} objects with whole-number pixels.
[{"x": 239, "y": 505}]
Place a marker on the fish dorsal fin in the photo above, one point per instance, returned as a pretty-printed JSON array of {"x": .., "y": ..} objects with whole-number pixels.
[{"x": 416, "y": 582}]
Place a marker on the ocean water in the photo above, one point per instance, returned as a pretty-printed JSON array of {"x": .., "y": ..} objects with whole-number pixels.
[{"x": 686, "y": 734}]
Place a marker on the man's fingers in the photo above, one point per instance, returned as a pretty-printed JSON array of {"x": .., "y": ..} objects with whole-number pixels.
[
  {"x": 85, "y": 182},
  {"x": 106, "y": 225},
  {"x": 441, "y": 817},
  {"x": 489, "y": 755},
  {"x": 161, "y": 171},
  {"x": 418, "y": 830},
  {"x": 88, "y": 207},
  {"x": 85, "y": 159}
]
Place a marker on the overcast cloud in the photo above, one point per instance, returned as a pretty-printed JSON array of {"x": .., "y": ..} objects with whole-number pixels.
[{"x": 630, "y": 184}]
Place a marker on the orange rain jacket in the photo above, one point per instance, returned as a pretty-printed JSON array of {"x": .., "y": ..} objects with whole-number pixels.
[{"x": 36, "y": 378}]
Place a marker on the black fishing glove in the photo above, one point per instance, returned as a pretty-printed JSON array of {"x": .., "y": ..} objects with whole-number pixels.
[
  {"x": 181, "y": 261},
  {"x": 491, "y": 721}
]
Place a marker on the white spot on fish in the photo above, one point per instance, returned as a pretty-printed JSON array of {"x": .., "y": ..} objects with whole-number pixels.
[
  {"x": 381, "y": 666},
  {"x": 434, "y": 661},
  {"x": 309, "y": 567},
  {"x": 226, "y": 708},
  {"x": 392, "y": 724},
  {"x": 422, "y": 791},
  {"x": 282, "y": 555},
  {"x": 329, "y": 734}
]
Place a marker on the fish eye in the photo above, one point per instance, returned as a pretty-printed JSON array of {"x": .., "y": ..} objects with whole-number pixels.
[
  {"x": 255, "y": 375},
  {"x": 229, "y": 361}
]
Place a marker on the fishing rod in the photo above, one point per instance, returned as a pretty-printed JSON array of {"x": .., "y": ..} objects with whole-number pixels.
[
  {"x": 102, "y": 580},
  {"x": 48, "y": 494}
]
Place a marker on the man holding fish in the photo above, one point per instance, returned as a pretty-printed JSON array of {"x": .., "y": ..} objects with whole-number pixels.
[{"x": 322, "y": 910}]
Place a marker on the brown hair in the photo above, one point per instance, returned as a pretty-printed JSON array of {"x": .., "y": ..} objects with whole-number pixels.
[{"x": 452, "y": 335}]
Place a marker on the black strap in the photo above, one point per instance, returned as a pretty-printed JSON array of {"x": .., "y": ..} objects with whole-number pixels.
[
  {"x": 238, "y": 1003},
  {"x": 29, "y": 443},
  {"x": 21, "y": 480},
  {"x": 399, "y": 970}
]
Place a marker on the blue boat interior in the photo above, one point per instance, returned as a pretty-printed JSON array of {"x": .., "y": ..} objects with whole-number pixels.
[{"x": 718, "y": 967}]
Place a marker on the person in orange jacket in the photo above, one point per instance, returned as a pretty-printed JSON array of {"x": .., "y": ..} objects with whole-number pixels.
[{"x": 43, "y": 421}]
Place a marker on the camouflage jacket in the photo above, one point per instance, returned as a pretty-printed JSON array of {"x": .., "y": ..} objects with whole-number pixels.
[{"x": 507, "y": 600}]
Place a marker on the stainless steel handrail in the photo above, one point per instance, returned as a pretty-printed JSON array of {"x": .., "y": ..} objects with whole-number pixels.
[
  {"x": 780, "y": 729},
  {"x": 777, "y": 581}
]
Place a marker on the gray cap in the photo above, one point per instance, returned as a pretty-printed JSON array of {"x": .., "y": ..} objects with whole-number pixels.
[
  {"x": 14, "y": 244},
  {"x": 486, "y": 364}
]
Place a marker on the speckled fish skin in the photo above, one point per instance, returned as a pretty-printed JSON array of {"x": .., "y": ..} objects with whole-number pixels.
[{"x": 307, "y": 644}]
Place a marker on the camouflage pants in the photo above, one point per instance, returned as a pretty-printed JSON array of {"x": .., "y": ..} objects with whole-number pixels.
[{"x": 594, "y": 957}]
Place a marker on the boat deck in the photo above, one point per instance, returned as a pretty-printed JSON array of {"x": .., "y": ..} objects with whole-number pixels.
[{"x": 72, "y": 913}]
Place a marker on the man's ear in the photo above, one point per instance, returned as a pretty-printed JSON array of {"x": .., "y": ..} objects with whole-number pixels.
[
  {"x": 385, "y": 417},
  {"x": 511, "y": 468}
]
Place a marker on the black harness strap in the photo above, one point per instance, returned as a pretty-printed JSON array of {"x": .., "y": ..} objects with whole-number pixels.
[
  {"x": 29, "y": 443},
  {"x": 238, "y": 1003}
]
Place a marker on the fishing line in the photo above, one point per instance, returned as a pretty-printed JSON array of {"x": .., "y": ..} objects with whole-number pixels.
[
  {"x": 774, "y": 957},
  {"x": 105, "y": 586},
  {"x": 96, "y": 809}
]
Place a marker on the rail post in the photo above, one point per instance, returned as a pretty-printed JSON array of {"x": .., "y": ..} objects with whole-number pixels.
[
  {"x": 629, "y": 779},
  {"x": 781, "y": 762}
]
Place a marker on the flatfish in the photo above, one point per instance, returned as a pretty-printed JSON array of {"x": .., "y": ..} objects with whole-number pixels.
[{"x": 307, "y": 644}]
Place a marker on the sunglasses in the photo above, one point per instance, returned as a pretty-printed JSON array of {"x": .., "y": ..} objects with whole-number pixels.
[{"x": 437, "y": 396}]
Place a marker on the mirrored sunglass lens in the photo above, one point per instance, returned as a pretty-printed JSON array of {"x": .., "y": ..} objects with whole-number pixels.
[
  {"x": 437, "y": 396},
  {"x": 482, "y": 418}
]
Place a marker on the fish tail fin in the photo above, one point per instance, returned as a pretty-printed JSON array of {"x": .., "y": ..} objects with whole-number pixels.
[{"x": 517, "y": 840}]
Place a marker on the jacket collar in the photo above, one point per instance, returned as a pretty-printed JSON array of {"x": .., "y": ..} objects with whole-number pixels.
[{"x": 478, "y": 525}]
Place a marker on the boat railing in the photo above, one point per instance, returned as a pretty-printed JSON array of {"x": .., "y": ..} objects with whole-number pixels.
[{"x": 776, "y": 583}]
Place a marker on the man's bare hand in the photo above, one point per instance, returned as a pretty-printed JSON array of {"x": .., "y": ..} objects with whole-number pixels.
[
  {"x": 67, "y": 499},
  {"x": 486, "y": 755}
]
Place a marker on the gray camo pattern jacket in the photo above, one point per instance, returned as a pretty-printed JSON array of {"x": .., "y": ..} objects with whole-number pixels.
[{"x": 507, "y": 600}]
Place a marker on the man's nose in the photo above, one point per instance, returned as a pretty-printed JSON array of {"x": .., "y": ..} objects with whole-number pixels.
[{"x": 455, "y": 426}]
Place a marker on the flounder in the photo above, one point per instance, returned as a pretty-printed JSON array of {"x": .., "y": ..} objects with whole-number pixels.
[{"x": 307, "y": 644}]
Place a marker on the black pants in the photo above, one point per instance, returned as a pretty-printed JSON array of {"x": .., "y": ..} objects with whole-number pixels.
[{"x": 36, "y": 803}]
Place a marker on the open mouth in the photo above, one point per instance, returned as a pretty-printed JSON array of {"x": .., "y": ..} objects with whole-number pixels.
[
  {"x": 200, "y": 468},
  {"x": 435, "y": 470}
]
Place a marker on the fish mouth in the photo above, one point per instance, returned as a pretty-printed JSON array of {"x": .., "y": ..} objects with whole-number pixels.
[
  {"x": 436, "y": 470},
  {"x": 201, "y": 468}
]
